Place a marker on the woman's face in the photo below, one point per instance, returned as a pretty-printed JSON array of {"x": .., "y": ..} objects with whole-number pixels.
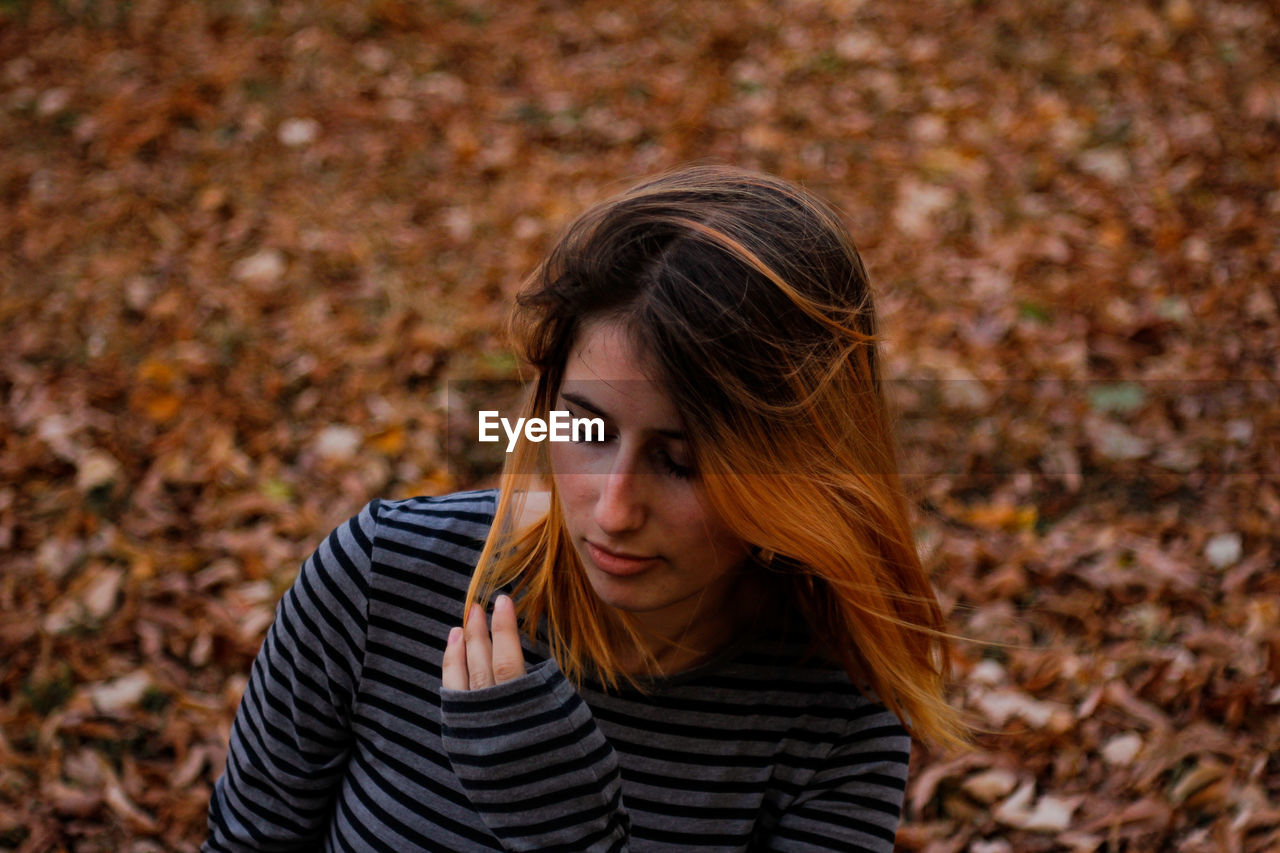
[{"x": 631, "y": 503}]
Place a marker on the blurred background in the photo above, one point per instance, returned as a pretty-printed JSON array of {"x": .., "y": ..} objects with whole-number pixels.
[{"x": 246, "y": 247}]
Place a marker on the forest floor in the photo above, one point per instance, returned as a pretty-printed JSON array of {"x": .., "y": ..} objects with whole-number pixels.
[{"x": 246, "y": 247}]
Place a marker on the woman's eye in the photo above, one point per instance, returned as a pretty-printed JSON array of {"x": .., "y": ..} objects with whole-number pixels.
[
  {"x": 586, "y": 429},
  {"x": 669, "y": 466},
  {"x": 592, "y": 436}
]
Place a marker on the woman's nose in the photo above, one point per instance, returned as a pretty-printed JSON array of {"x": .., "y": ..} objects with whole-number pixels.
[{"x": 619, "y": 503}]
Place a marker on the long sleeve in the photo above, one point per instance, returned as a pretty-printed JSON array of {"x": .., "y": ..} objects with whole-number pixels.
[
  {"x": 535, "y": 765},
  {"x": 292, "y": 733},
  {"x": 854, "y": 800}
]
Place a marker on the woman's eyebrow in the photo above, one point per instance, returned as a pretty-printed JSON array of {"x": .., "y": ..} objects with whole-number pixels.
[
  {"x": 583, "y": 403},
  {"x": 592, "y": 409}
]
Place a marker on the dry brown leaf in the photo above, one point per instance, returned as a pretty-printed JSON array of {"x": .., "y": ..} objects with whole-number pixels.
[
  {"x": 990, "y": 785},
  {"x": 1046, "y": 813},
  {"x": 113, "y": 793},
  {"x": 1203, "y": 785},
  {"x": 1156, "y": 814},
  {"x": 72, "y": 802}
]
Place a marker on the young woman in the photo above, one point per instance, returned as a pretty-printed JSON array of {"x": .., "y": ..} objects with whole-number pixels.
[{"x": 709, "y": 628}]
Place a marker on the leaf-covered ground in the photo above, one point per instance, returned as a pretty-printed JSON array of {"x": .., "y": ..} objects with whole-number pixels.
[{"x": 245, "y": 247}]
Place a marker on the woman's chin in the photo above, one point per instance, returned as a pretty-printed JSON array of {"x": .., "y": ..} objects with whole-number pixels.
[{"x": 618, "y": 594}]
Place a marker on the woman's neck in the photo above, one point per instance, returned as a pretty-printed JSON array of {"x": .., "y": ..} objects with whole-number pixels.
[{"x": 675, "y": 643}]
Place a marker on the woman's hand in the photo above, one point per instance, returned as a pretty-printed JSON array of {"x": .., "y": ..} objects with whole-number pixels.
[{"x": 473, "y": 661}]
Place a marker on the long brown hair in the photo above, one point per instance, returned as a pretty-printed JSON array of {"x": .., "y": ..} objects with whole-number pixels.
[{"x": 748, "y": 295}]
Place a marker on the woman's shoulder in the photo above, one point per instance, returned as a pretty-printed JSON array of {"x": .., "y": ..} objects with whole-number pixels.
[
  {"x": 416, "y": 554},
  {"x": 467, "y": 512},
  {"x": 462, "y": 518},
  {"x": 472, "y": 506},
  {"x": 447, "y": 531},
  {"x": 430, "y": 545}
]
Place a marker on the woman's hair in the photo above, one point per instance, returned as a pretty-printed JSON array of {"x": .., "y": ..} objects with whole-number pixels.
[{"x": 748, "y": 296}]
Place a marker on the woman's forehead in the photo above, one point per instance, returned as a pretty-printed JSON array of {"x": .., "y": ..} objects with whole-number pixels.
[
  {"x": 606, "y": 350},
  {"x": 609, "y": 374}
]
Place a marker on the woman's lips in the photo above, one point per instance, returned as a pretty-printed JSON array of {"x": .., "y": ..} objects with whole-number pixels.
[{"x": 616, "y": 563}]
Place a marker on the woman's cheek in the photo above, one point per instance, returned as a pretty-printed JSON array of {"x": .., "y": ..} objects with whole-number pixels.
[{"x": 570, "y": 470}]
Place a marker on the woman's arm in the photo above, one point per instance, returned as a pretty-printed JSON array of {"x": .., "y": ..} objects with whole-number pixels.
[
  {"x": 854, "y": 801},
  {"x": 525, "y": 746},
  {"x": 290, "y": 738}
]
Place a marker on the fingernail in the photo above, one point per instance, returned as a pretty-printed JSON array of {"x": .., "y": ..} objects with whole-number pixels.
[
  {"x": 502, "y": 601},
  {"x": 455, "y": 634}
]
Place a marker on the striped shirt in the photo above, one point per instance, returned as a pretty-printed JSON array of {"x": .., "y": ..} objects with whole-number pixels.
[{"x": 345, "y": 739}]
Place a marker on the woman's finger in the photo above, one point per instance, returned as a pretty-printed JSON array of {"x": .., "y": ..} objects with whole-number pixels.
[
  {"x": 508, "y": 656},
  {"x": 453, "y": 672},
  {"x": 479, "y": 650}
]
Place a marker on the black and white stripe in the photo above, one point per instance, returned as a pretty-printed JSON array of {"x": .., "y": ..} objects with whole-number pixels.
[{"x": 346, "y": 741}]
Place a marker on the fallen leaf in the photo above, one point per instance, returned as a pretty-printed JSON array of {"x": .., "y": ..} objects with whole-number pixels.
[
  {"x": 115, "y": 797},
  {"x": 95, "y": 469},
  {"x": 1202, "y": 785},
  {"x": 296, "y": 132},
  {"x": 990, "y": 785},
  {"x": 1003, "y": 704},
  {"x": 1224, "y": 550},
  {"x": 1046, "y": 814},
  {"x": 1120, "y": 750},
  {"x": 72, "y": 802},
  {"x": 338, "y": 443},
  {"x": 262, "y": 270},
  {"x": 113, "y": 696},
  {"x": 100, "y": 596}
]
